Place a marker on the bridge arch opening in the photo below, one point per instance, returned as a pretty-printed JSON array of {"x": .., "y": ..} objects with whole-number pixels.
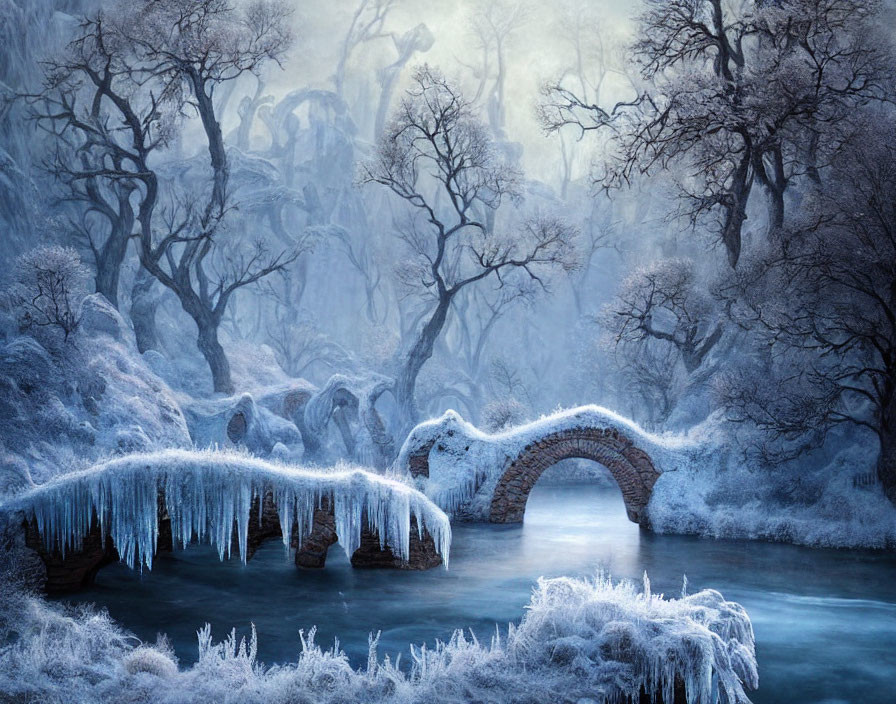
[{"x": 631, "y": 467}]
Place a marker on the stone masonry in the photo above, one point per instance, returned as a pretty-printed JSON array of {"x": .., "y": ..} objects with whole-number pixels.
[{"x": 630, "y": 466}]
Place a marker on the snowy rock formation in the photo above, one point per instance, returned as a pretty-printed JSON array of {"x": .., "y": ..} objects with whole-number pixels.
[{"x": 239, "y": 421}]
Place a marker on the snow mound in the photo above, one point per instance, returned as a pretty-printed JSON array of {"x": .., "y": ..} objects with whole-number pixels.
[
  {"x": 206, "y": 492},
  {"x": 465, "y": 463},
  {"x": 579, "y": 640},
  {"x": 238, "y": 421}
]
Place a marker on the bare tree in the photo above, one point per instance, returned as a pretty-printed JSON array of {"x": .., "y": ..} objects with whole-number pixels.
[
  {"x": 493, "y": 26},
  {"x": 436, "y": 143},
  {"x": 736, "y": 96},
  {"x": 664, "y": 302},
  {"x": 822, "y": 303},
  {"x": 580, "y": 27},
  {"x": 367, "y": 25},
  {"x": 90, "y": 149},
  {"x": 416, "y": 40},
  {"x": 148, "y": 65}
]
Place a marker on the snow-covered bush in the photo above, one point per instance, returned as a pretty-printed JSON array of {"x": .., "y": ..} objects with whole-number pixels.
[
  {"x": 47, "y": 288},
  {"x": 503, "y": 413},
  {"x": 578, "y": 639},
  {"x": 157, "y": 661}
]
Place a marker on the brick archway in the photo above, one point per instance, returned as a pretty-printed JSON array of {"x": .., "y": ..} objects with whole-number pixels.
[{"x": 630, "y": 466}]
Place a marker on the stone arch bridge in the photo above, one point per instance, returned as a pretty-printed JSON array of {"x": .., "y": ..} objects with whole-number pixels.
[{"x": 508, "y": 465}]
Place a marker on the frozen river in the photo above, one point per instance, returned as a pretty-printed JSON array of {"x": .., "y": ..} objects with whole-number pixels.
[{"x": 825, "y": 620}]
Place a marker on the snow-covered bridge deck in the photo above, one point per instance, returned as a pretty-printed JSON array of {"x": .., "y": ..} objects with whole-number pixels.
[
  {"x": 488, "y": 477},
  {"x": 135, "y": 505}
]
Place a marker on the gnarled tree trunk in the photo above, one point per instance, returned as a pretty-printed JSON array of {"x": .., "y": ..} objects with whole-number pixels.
[
  {"x": 214, "y": 354},
  {"x": 886, "y": 462},
  {"x": 421, "y": 352},
  {"x": 144, "y": 304}
]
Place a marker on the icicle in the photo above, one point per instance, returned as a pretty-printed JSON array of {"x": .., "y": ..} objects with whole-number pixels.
[{"x": 206, "y": 493}]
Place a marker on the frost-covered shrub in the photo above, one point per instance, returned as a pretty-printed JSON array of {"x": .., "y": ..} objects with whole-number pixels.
[
  {"x": 503, "y": 413},
  {"x": 157, "y": 661},
  {"x": 579, "y": 639},
  {"x": 48, "y": 285}
]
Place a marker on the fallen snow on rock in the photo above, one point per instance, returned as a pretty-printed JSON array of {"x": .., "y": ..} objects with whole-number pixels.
[
  {"x": 579, "y": 640},
  {"x": 206, "y": 492},
  {"x": 465, "y": 463},
  {"x": 235, "y": 421}
]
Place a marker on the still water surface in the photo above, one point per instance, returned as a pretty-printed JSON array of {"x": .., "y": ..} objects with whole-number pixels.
[{"x": 825, "y": 620}]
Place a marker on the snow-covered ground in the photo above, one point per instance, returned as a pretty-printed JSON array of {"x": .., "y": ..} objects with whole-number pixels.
[
  {"x": 578, "y": 641},
  {"x": 812, "y": 501},
  {"x": 206, "y": 492}
]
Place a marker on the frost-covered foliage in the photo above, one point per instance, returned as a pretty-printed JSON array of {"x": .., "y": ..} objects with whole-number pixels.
[
  {"x": 62, "y": 411},
  {"x": 579, "y": 639},
  {"x": 466, "y": 463},
  {"x": 503, "y": 413},
  {"x": 818, "y": 500},
  {"x": 207, "y": 492},
  {"x": 48, "y": 285}
]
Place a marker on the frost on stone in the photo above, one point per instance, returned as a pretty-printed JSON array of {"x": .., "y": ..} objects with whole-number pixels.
[
  {"x": 465, "y": 463},
  {"x": 206, "y": 494},
  {"x": 350, "y": 401},
  {"x": 238, "y": 421}
]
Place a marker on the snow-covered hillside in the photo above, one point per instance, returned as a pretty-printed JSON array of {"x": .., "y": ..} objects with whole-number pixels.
[{"x": 63, "y": 410}]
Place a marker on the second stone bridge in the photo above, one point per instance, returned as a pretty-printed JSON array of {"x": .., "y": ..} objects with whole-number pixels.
[{"x": 494, "y": 474}]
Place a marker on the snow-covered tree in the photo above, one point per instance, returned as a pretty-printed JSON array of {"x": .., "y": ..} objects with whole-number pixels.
[
  {"x": 438, "y": 157},
  {"x": 736, "y": 97},
  {"x": 47, "y": 288}
]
